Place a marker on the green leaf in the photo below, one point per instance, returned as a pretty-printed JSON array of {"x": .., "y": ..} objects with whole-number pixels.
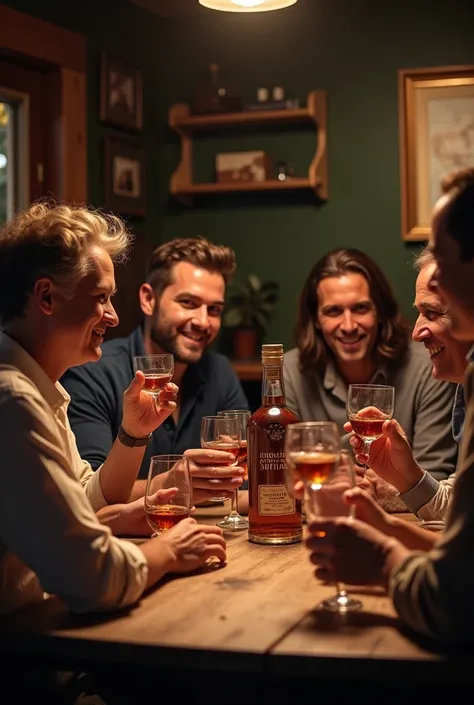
[
  {"x": 261, "y": 319},
  {"x": 270, "y": 286},
  {"x": 233, "y": 317},
  {"x": 266, "y": 307},
  {"x": 254, "y": 282}
]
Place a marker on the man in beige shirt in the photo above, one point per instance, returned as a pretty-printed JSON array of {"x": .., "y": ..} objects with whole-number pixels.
[
  {"x": 430, "y": 590},
  {"x": 56, "y": 284}
]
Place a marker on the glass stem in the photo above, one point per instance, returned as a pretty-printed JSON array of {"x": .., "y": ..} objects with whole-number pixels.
[
  {"x": 367, "y": 445},
  {"x": 234, "y": 503}
]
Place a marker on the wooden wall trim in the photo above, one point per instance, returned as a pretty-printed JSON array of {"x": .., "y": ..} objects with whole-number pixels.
[
  {"x": 66, "y": 52},
  {"x": 41, "y": 40},
  {"x": 70, "y": 139}
]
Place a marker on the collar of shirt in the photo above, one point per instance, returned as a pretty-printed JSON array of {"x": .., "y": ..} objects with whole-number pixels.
[
  {"x": 333, "y": 382},
  {"x": 459, "y": 406},
  {"x": 11, "y": 353}
]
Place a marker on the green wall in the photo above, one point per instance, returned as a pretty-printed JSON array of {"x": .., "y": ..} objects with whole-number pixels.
[{"x": 351, "y": 48}]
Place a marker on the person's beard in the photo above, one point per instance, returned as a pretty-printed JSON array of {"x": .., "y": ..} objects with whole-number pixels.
[{"x": 163, "y": 336}]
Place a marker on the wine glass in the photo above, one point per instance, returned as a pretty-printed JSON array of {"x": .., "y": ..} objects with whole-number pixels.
[
  {"x": 327, "y": 500},
  {"x": 234, "y": 521},
  {"x": 367, "y": 407},
  {"x": 167, "y": 472},
  {"x": 221, "y": 433},
  {"x": 158, "y": 371},
  {"x": 312, "y": 449}
]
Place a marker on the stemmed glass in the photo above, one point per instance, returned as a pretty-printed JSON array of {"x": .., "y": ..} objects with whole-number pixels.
[
  {"x": 367, "y": 407},
  {"x": 158, "y": 371},
  {"x": 222, "y": 433},
  {"x": 328, "y": 501},
  {"x": 312, "y": 449},
  {"x": 234, "y": 521},
  {"x": 168, "y": 472}
]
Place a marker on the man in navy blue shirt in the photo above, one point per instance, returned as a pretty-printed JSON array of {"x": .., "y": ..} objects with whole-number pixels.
[{"x": 182, "y": 300}]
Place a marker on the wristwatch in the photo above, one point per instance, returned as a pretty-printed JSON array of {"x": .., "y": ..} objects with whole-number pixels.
[{"x": 130, "y": 441}]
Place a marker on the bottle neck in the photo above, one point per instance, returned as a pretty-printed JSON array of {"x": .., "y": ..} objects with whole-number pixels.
[{"x": 273, "y": 388}]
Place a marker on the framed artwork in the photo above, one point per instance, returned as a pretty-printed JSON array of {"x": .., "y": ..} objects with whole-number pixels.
[
  {"x": 436, "y": 115},
  {"x": 125, "y": 192},
  {"x": 121, "y": 94}
]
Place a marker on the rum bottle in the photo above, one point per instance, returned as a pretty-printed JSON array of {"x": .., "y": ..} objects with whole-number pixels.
[{"x": 274, "y": 516}]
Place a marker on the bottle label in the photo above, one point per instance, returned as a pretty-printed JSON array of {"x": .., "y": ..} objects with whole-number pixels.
[{"x": 274, "y": 500}]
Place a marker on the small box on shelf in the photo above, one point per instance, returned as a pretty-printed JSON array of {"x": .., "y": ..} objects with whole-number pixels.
[{"x": 242, "y": 166}]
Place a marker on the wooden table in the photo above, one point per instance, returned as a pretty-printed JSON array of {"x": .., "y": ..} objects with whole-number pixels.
[{"x": 253, "y": 619}]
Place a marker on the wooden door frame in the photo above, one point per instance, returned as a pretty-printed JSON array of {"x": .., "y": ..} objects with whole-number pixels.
[{"x": 65, "y": 54}]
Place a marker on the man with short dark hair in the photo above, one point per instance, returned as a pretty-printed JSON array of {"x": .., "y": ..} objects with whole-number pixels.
[{"x": 182, "y": 300}]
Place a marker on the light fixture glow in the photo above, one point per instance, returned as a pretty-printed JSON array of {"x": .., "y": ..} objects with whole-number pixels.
[{"x": 246, "y": 5}]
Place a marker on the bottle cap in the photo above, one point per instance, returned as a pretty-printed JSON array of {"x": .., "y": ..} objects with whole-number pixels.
[{"x": 272, "y": 354}]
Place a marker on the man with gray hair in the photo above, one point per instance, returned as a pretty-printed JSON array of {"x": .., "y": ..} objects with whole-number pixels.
[{"x": 391, "y": 456}]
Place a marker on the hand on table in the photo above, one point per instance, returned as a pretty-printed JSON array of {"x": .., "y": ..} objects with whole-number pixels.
[
  {"x": 211, "y": 474},
  {"x": 190, "y": 545},
  {"x": 129, "y": 519}
]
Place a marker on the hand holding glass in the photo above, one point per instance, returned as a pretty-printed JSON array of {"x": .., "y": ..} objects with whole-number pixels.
[
  {"x": 163, "y": 510},
  {"x": 234, "y": 521},
  {"x": 158, "y": 371},
  {"x": 367, "y": 407},
  {"x": 222, "y": 433},
  {"x": 328, "y": 501}
]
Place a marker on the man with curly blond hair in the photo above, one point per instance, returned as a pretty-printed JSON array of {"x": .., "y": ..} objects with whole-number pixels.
[{"x": 56, "y": 285}]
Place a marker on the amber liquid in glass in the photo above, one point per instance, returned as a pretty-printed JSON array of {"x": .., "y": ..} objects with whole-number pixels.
[
  {"x": 314, "y": 468},
  {"x": 165, "y": 516},
  {"x": 232, "y": 448},
  {"x": 367, "y": 427},
  {"x": 274, "y": 516},
  {"x": 155, "y": 383}
]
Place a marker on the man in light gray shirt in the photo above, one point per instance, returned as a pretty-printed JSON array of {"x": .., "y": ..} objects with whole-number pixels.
[{"x": 350, "y": 331}]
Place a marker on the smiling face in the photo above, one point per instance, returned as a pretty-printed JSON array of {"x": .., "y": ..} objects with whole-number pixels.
[
  {"x": 78, "y": 323},
  {"x": 187, "y": 317},
  {"x": 348, "y": 322},
  {"x": 453, "y": 277},
  {"x": 432, "y": 328}
]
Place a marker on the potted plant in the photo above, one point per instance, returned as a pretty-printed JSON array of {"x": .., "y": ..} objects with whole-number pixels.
[{"x": 250, "y": 306}]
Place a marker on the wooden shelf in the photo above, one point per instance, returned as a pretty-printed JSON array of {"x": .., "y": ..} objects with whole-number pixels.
[
  {"x": 181, "y": 120},
  {"x": 248, "y": 371},
  {"x": 185, "y": 124},
  {"x": 273, "y": 185}
]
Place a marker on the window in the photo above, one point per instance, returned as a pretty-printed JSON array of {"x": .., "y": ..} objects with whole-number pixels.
[{"x": 8, "y": 188}]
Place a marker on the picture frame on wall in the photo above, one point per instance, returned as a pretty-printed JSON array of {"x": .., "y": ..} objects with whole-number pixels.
[
  {"x": 436, "y": 120},
  {"x": 121, "y": 94},
  {"x": 125, "y": 178}
]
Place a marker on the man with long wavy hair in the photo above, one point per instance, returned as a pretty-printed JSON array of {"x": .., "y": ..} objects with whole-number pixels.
[{"x": 350, "y": 331}]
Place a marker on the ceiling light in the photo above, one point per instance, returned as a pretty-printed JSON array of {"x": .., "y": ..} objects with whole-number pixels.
[{"x": 246, "y": 5}]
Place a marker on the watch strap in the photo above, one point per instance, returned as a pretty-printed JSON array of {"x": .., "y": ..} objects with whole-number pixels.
[{"x": 131, "y": 441}]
